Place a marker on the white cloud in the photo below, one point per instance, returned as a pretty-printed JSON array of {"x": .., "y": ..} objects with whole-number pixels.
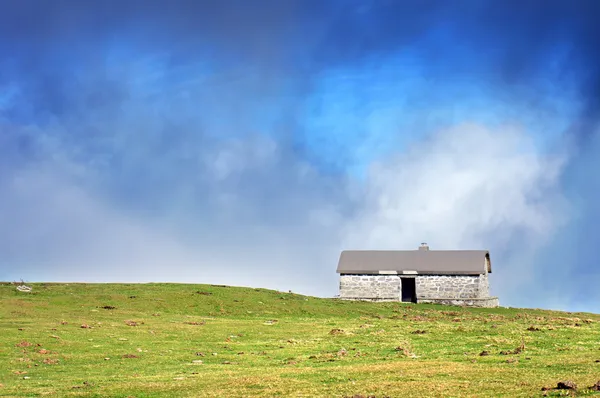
[{"x": 456, "y": 187}]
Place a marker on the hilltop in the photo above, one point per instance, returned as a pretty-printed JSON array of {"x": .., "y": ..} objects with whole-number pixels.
[{"x": 176, "y": 340}]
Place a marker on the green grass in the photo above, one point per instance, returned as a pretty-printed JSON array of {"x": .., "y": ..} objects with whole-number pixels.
[{"x": 257, "y": 342}]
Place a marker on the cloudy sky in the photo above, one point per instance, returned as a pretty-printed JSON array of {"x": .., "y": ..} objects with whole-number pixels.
[{"x": 248, "y": 142}]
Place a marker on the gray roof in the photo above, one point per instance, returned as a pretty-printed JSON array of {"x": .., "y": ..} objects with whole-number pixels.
[{"x": 439, "y": 262}]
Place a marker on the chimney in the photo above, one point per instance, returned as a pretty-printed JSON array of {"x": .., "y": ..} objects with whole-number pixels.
[{"x": 424, "y": 246}]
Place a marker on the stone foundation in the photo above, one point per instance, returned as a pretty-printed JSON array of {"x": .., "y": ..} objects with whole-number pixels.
[
  {"x": 487, "y": 302},
  {"x": 465, "y": 290}
]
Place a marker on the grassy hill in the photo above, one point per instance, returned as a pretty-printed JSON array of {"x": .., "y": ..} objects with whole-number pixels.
[{"x": 172, "y": 340}]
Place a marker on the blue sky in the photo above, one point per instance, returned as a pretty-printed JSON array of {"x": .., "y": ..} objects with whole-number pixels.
[{"x": 247, "y": 143}]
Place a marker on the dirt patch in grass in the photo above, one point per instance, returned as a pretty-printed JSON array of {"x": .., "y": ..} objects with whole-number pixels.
[
  {"x": 450, "y": 313},
  {"x": 85, "y": 384},
  {"x": 516, "y": 351},
  {"x": 405, "y": 350},
  {"x": 129, "y": 356}
]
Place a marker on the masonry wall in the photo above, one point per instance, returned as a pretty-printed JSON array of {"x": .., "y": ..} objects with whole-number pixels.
[
  {"x": 484, "y": 286},
  {"x": 451, "y": 286},
  {"x": 370, "y": 287},
  {"x": 388, "y": 287}
]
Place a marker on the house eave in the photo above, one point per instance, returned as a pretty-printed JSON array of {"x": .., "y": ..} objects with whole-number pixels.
[{"x": 406, "y": 272}]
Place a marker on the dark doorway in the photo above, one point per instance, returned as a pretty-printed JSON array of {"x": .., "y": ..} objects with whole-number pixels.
[{"x": 409, "y": 291}]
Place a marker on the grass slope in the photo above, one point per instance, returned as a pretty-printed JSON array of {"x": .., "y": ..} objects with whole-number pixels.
[{"x": 67, "y": 340}]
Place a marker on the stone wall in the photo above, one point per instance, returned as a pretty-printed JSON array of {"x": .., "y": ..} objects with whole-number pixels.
[
  {"x": 428, "y": 287},
  {"x": 484, "y": 286},
  {"x": 451, "y": 286},
  {"x": 370, "y": 287}
]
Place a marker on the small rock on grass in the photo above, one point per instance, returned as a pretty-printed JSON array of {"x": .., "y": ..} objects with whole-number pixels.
[{"x": 566, "y": 385}]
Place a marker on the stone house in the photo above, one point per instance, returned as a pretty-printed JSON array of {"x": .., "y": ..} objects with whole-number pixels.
[{"x": 455, "y": 277}]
